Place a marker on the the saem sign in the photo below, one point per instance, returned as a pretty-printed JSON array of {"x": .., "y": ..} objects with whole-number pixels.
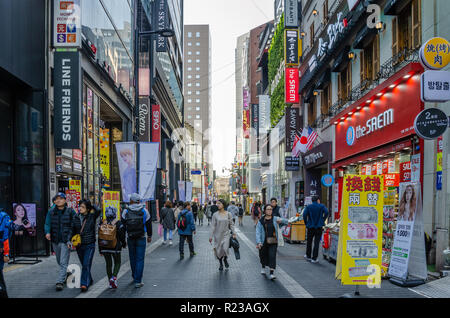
[
  {"x": 292, "y": 85},
  {"x": 372, "y": 124}
]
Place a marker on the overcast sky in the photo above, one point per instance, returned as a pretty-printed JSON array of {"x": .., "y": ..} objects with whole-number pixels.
[{"x": 227, "y": 20}]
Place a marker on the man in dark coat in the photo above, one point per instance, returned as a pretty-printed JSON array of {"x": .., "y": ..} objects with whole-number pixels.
[
  {"x": 314, "y": 216},
  {"x": 275, "y": 207}
]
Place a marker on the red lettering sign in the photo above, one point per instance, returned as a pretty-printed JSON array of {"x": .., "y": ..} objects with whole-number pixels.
[
  {"x": 374, "y": 169},
  {"x": 77, "y": 154},
  {"x": 405, "y": 171},
  {"x": 291, "y": 86},
  {"x": 391, "y": 180},
  {"x": 385, "y": 167},
  {"x": 156, "y": 124}
]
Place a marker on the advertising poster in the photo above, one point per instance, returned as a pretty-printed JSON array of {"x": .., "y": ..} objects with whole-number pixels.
[
  {"x": 189, "y": 191},
  {"x": 182, "y": 190},
  {"x": 148, "y": 163},
  {"x": 415, "y": 168},
  {"x": 72, "y": 199},
  {"x": 408, "y": 250},
  {"x": 24, "y": 218},
  {"x": 111, "y": 203},
  {"x": 388, "y": 229},
  {"x": 126, "y": 155},
  {"x": 405, "y": 171},
  {"x": 104, "y": 152},
  {"x": 361, "y": 230}
]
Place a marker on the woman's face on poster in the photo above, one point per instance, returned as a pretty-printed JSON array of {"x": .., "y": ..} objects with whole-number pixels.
[
  {"x": 128, "y": 158},
  {"x": 20, "y": 212},
  {"x": 409, "y": 194}
]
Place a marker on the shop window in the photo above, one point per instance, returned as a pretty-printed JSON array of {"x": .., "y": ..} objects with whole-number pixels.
[
  {"x": 370, "y": 60},
  {"x": 326, "y": 100},
  {"x": 311, "y": 35},
  {"x": 406, "y": 29},
  {"x": 345, "y": 82}
]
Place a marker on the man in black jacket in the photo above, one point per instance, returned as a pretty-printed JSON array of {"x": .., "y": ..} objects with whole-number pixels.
[
  {"x": 58, "y": 230},
  {"x": 275, "y": 207}
]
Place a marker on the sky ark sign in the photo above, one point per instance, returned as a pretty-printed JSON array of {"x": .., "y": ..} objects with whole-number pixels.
[{"x": 67, "y": 113}]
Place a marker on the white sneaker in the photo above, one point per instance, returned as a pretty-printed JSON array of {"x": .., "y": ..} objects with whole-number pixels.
[
  {"x": 164, "y": 243},
  {"x": 263, "y": 271},
  {"x": 272, "y": 276},
  {"x": 306, "y": 257},
  {"x": 314, "y": 261},
  {"x": 170, "y": 242}
]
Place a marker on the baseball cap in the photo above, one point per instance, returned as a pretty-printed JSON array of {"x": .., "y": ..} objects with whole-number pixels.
[
  {"x": 135, "y": 197},
  {"x": 59, "y": 194}
]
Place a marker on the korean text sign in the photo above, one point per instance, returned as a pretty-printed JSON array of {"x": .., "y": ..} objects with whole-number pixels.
[{"x": 361, "y": 230}]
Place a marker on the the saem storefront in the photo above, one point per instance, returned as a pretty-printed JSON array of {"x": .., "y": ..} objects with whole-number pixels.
[{"x": 375, "y": 136}]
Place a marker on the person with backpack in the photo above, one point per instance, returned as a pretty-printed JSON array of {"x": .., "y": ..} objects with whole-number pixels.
[
  {"x": 241, "y": 214},
  {"x": 186, "y": 227},
  {"x": 58, "y": 229},
  {"x": 168, "y": 221},
  {"x": 234, "y": 210},
  {"x": 111, "y": 240},
  {"x": 6, "y": 229},
  {"x": 84, "y": 224},
  {"x": 222, "y": 225},
  {"x": 137, "y": 223}
]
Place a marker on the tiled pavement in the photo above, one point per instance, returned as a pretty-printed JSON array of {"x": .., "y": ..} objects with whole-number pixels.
[{"x": 198, "y": 277}]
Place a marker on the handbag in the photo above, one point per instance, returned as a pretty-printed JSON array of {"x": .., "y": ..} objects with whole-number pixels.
[
  {"x": 271, "y": 240},
  {"x": 160, "y": 229},
  {"x": 76, "y": 239},
  {"x": 107, "y": 234}
]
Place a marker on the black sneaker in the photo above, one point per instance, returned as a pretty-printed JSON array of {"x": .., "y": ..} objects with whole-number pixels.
[
  {"x": 193, "y": 254},
  {"x": 221, "y": 267},
  {"x": 226, "y": 263},
  {"x": 59, "y": 286},
  {"x": 181, "y": 256}
]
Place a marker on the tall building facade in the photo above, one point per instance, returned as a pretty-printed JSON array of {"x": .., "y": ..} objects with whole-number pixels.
[{"x": 197, "y": 92}]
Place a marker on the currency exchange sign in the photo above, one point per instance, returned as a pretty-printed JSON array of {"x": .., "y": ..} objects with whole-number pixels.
[{"x": 359, "y": 247}]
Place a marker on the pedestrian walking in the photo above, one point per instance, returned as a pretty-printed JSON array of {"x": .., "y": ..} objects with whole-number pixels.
[
  {"x": 241, "y": 214},
  {"x": 194, "y": 208},
  {"x": 256, "y": 212},
  {"x": 267, "y": 239},
  {"x": 58, "y": 229},
  {"x": 275, "y": 207},
  {"x": 111, "y": 249},
  {"x": 201, "y": 214},
  {"x": 137, "y": 223},
  {"x": 178, "y": 209},
  {"x": 222, "y": 228},
  {"x": 6, "y": 228},
  {"x": 167, "y": 219},
  {"x": 234, "y": 210},
  {"x": 314, "y": 216},
  {"x": 209, "y": 213},
  {"x": 84, "y": 224},
  {"x": 186, "y": 228}
]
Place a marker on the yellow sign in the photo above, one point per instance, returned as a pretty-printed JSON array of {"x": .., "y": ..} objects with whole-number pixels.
[
  {"x": 361, "y": 231},
  {"x": 111, "y": 199},
  {"x": 75, "y": 185},
  {"x": 104, "y": 152},
  {"x": 435, "y": 53},
  {"x": 439, "y": 161}
]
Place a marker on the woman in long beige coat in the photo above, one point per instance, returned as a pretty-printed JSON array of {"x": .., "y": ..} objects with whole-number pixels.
[{"x": 222, "y": 224}]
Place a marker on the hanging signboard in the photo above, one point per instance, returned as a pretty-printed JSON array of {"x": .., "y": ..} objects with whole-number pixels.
[
  {"x": 148, "y": 162},
  {"x": 291, "y": 86},
  {"x": 291, "y": 55},
  {"x": 245, "y": 99},
  {"x": 182, "y": 190},
  {"x": 431, "y": 123},
  {"x": 292, "y": 163},
  {"x": 189, "y": 191},
  {"x": 104, "y": 152},
  {"x": 144, "y": 118},
  {"x": 327, "y": 180},
  {"x": 435, "y": 86},
  {"x": 291, "y": 13},
  {"x": 67, "y": 23},
  {"x": 126, "y": 156},
  {"x": 435, "y": 53},
  {"x": 415, "y": 168},
  {"x": 360, "y": 238},
  {"x": 292, "y": 126},
  {"x": 156, "y": 124},
  {"x": 440, "y": 146},
  {"x": 161, "y": 21},
  {"x": 246, "y": 123}
]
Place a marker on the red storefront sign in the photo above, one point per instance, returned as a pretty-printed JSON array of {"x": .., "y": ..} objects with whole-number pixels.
[
  {"x": 156, "y": 124},
  {"x": 246, "y": 123},
  {"x": 405, "y": 171},
  {"x": 382, "y": 119},
  {"x": 374, "y": 169},
  {"x": 385, "y": 167},
  {"x": 77, "y": 154},
  {"x": 363, "y": 170},
  {"x": 292, "y": 82},
  {"x": 391, "y": 180}
]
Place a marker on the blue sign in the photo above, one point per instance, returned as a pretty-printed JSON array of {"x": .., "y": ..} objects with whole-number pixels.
[
  {"x": 439, "y": 180},
  {"x": 350, "y": 136},
  {"x": 327, "y": 180},
  {"x": 196, "y": 172}
]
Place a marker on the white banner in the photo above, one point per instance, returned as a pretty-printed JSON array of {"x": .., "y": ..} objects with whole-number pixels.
[
  {"x": 182, "y": 191},
  {"x": 189, "y": 191},
  {"x": 148, "y": 163},
  {"x": 408, "y": 251},
  {"x": 126, "y": 155},
  {"x": 415, "y": 168}
]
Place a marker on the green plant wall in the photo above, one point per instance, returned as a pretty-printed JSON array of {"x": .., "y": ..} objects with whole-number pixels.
[
  {"x": 276, "y": 50},
  {"x": 277, "y": 105}
]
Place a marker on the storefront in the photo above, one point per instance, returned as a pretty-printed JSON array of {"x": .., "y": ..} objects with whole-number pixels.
[
  {"x": 316, "y": 164},
  {"x": 375, "y": 136}
]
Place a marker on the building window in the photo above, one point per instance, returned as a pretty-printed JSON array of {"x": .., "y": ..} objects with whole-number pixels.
[
  {"x": 189, "y": 53},
  {"x": 311, "y": 35},
  {"x": 197, "y": 68},
  {"x": 325, "y": 12},
  {"x": 189, "y": 76},
  {"x": 197, "y": 100},
  {"x": 189, "y": 44},
  {"x": 345, "y": 82},
  {"x": 197, "y": 92},
  {"x": 198, "y": 52},
  {"x": 189, "y": 68},
  {"x": 197, "y": 84},
  {"x": 198, "y": 43},
  {"x": 370, "y": 61},
  {"x": 406, "y": 29},
  {"x": 197, "y": 76},
  {"x": 197, "y": 34},
  {"x": 189, "y": 117},
  {"x": 189, "y": 61},
  {"x": 312, "y": 111},
  {"x": 189, "y": 93},
  {"x": 326, "y": 100},
  {"x": 189, "y": 100},
  {"x": 189, "y": 84},
  {"x": 197, "y": 108},
  {"x": 189, "y": 34},
  {"x": 197, "y": 60},
  {"x": 189, "y": 108},
  {"x": 197, "y": 116}
]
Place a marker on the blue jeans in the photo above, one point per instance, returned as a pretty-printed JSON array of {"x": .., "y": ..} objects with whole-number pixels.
[
  {"x": 86, "y": 255},
  {"x": 136, "y": 249},
  {"x": 170, "y": 234}
]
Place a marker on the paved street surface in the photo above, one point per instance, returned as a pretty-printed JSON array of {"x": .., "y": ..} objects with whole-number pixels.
[{"x": 198, "y": 277}]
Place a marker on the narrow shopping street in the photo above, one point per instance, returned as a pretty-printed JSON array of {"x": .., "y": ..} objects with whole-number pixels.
[{"x": 165, "y": 276}]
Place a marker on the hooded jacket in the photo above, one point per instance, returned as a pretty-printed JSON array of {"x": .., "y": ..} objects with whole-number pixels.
[
  {"x": 190, "y": 223},
  {"x": 136, "y": 207}
]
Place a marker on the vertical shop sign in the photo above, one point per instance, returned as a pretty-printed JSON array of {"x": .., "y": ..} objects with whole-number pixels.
[
  {"x": 405, "y": 171},
  {"x": 415, "y": 168},
  {"x": 246, "y": 123},
  {"x": 156, "y": 124},
  {"x": 161, "y": 21},
  {"x": 67, "y": 97},
  {"x": 291, "y": 56},
  {"x": 292, "y": 85},
  {"x": 291, "y": 13},
  {"x": 67, "y": 23},
  {"x": 245, "y": 99},
  {"x": 408, "y": 251},
  {"x": 111, "y": 203},
  {"x": 440, "y": 145},
  {"x": 144, "y": 119},
  {"x": 360, "y": 236},
  {"x": 104, "y": 153},
  {"x": 292, "y": 126},
  {"x": 148, "y": 162}
]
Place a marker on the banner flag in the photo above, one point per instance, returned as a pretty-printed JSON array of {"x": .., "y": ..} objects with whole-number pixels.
[
  {"x": 126, "y": 155},
  {"x": 189, "y": 186},
  {"x": 148, "y": 163},
  {"x": 182, "y": 190}
]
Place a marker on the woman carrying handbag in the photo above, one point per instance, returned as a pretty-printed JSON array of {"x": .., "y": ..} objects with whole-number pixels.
[{"x": 222, "y": 224}]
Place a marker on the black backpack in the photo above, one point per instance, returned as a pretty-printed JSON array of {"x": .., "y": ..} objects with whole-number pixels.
[
  {"x": 135, "y": 224},
  {"x": 182, "y": 221}
]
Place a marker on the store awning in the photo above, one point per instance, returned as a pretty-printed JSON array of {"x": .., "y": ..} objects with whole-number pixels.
[
  {"x": 393, "y": 7},
  {"x": 341, "y": 61},
  {"x": 364, "y": 37},
  {"x": 323, "y": 79}
]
